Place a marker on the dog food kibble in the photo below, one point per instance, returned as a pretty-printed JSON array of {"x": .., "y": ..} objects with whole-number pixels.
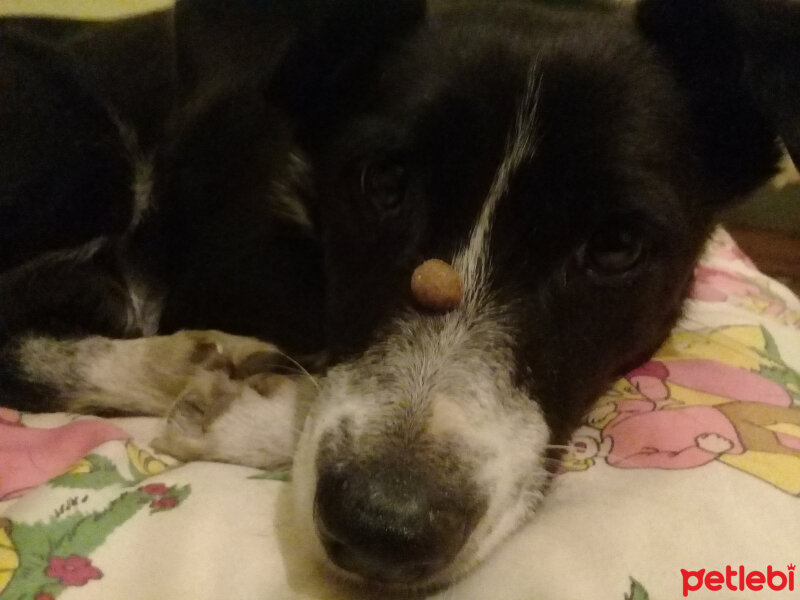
[{"x": 436, "y": 285}]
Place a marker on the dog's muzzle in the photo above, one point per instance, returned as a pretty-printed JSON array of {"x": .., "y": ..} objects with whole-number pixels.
[{"x": 391, "y": 521}]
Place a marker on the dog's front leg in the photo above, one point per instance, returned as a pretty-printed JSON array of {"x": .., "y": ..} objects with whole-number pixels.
[
  {"x": 253, "y": 422},
  {"x": 225, "y": 397}
]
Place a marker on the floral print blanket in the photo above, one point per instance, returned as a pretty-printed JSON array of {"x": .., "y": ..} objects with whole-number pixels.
[{"x": 683, "y": 481}]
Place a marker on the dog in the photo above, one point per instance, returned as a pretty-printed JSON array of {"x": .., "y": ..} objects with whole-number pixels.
[{"x": 199, "y": 203}]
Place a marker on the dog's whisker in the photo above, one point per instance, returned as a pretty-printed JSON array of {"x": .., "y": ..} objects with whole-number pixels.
[
  {"x": 302, "y": 369},
  {"x": 287, "y": 369}
]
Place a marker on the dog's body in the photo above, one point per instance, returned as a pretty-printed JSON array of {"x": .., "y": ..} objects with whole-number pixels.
[{"x": 279, "y": 171}]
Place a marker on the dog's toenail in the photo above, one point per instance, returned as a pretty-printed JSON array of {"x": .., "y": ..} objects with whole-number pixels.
[
  {"x": 210, "y": 356},
  {"x": 267, "y": 385},
  {"x": 202, "y": 352}
]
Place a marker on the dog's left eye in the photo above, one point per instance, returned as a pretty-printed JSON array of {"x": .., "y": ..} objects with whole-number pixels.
[
  {"x": 383, "y": 183},
  {"x": 612, "y": 251}
]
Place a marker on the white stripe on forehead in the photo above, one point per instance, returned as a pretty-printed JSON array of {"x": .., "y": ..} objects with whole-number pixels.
[{"x": 472, "y": 262}]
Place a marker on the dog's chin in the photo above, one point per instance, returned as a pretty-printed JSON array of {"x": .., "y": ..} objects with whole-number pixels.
[
  {"x": 371, "y": 587},
  {"x": 501, "y": 519}
]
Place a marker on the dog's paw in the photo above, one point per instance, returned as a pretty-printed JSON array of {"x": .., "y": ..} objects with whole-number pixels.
[
  {"x": 241, "y": 412},
  {"x": 240, "y": 357}
]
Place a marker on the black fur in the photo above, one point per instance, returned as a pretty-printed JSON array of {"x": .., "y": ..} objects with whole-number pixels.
[
  {"x": 225, "y": 91},
  {"x": 648, "y": 121}
]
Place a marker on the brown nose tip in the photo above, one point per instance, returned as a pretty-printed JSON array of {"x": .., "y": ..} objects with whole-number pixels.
[{"x": 437, "y": 286}]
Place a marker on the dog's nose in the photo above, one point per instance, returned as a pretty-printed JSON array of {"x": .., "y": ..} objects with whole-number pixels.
[{"x": 388, "y": 526}]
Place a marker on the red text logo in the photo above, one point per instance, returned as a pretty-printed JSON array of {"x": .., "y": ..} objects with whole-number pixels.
[{"x": 739, "y": 580}]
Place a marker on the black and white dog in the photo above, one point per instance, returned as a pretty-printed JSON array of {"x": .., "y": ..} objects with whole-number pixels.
[{"x": 278, "y": 169}]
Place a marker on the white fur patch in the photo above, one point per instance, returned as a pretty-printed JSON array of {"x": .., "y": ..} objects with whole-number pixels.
[
  {"x": 143, "y": 171},
  {"x": 144, "y": 307},
  {"x": 229, "y": 421},
  {"x": 286, "y": 191},
  {"x": 142, "y": 188},
  {"x": 139, "y": 376},
  {"x": 440, "y": 377},
  {"x": 473, "y": 262},
  {"x": 78, "y": 254}
]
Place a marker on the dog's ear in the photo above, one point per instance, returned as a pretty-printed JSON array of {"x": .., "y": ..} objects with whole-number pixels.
[
  {"x": 303, "y": 52},
  {"x": 336, "y": 48},
  {"x": 739, "y": 61},
  {"x": 221, "y": 43}
]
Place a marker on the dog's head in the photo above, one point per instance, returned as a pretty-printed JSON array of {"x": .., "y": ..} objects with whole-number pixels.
[{"x": 567, "y": 164}]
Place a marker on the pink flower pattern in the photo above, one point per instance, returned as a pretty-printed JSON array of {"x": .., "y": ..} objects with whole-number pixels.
[
  {"x": 154, "y": 489},
  {"x": 165, "y": 502},
  {"x": 73, "y": 570}
]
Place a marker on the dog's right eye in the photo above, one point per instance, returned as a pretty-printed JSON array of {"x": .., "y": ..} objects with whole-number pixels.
[
  {"x": 612, "y": 252},
  {"x": 383, "y": 184}
]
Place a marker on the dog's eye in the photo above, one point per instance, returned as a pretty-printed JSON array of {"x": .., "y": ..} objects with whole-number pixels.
[
  {"x": 612, "y": 251},
  {"x": 383, "y": 183}
]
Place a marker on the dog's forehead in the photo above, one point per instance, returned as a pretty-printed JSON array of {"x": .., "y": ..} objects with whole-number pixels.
[
  {"x": 539, "y": 141},
  {"x": 594, "y": 111}
]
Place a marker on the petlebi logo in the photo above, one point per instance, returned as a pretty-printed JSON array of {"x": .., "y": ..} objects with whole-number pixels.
[{"x": 739, "y": 580}]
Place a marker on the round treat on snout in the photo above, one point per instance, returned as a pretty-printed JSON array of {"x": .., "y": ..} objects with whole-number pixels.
[{"x": 436, "y": 285}]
